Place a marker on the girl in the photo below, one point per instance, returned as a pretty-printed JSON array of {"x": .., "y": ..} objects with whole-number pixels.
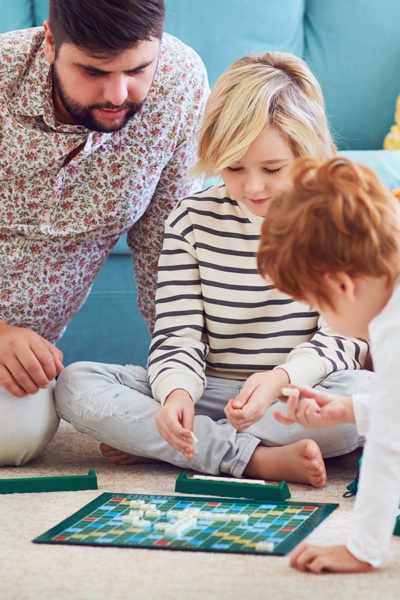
[{"x": 225, "y": 341}]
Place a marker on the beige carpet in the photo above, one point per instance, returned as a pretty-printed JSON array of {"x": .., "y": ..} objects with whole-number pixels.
[{"x": 44, "y": 572}]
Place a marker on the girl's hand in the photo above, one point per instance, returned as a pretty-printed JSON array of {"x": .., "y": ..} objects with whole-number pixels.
[
  {"x": 255, "y": 397},
  {"x": 331, "y": 559},
  {"x": 175, "y": 422}
]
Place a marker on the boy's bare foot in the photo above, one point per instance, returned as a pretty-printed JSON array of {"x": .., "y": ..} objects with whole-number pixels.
[
  {"x": 118, "y": 457},
  {"x": 300, "y": 462}
]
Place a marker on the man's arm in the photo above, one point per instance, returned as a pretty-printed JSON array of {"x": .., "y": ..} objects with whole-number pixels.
[
  {"x": 146, "y": 237},
  {"x": 28, "y": 362}
]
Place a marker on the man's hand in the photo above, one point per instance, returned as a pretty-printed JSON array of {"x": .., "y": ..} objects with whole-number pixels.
[
  {"x": 175, "y": 421},
  {"x": 314, "y": 409},
  {"x": 331, "y": 559},
  {"x": 28, "y": 362},
  {"x": 255, "y": 397}
]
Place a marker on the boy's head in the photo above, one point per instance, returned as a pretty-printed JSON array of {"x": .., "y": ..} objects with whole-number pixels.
[
  {"x": 105, "y": 26},
  {"x": 334, "y": 224},
  {"x": 271, "y": 90}
]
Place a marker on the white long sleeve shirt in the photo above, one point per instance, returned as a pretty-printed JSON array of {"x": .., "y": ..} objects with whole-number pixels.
[{"x": 378, "y": 418}]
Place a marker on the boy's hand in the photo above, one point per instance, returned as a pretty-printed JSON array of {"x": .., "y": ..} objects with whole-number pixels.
[
  {"x": 255, "y": 397},
  {"x": 175, "y": 422},
  {"x": 28, "y": 362},
  {"x": 331, "y": 559},
  {"x": 314, "y": 409}
]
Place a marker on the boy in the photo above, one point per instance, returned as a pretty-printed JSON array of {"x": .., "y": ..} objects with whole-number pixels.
[{"x": 332, "y": 239}]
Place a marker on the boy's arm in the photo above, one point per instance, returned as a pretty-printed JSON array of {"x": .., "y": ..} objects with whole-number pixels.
[
  {"x": 331, "y": 559},
  {"x": 313, "y": 409},
  {"x": 377, "y": 501},
  {"x": 362, "y": 410}
]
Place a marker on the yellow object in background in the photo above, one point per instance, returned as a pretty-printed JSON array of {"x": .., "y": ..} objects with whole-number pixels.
[{"x": 392, "y": 139}]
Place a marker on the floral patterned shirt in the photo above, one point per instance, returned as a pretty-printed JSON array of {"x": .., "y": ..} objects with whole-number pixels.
[{"x": 58, "y": 221}]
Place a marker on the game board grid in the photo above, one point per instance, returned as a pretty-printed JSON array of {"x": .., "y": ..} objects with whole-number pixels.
[{"x": 100, "y": 523}]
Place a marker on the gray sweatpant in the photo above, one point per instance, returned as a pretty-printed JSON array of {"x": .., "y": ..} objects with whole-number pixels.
[{"x": 114, "y": 405}]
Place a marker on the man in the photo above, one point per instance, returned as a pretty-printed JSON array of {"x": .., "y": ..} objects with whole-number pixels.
[{"x": 98, "y": 115}]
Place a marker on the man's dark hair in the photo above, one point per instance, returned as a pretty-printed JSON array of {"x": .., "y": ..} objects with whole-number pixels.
[{"x": 106, "y": 26}]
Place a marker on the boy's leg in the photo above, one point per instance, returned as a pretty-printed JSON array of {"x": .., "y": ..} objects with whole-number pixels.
[
  {"x": 332, "y": 441},
  {"x": 113, "y": 404},
  {"x": 26, "y": 425}
]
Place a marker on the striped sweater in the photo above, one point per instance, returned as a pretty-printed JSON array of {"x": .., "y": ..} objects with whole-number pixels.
[{"x": 215, "y": 315}]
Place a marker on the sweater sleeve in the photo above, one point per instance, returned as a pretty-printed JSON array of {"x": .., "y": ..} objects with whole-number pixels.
[
  {"x": 362, "y": 408},
  {"x": 326, "y": 352},
  {"x": 177, "y": 353}
]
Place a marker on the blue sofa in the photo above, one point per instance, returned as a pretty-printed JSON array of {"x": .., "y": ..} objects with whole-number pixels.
[{"x": 353, "y": 47}]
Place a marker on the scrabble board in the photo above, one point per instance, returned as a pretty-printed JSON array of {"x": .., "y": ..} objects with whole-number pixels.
[{"x": 189, "y": 523}]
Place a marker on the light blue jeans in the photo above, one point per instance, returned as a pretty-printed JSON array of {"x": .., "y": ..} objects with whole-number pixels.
[{"x": 114, "y": 405}]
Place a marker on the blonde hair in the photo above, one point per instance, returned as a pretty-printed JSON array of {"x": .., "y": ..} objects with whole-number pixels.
[
  {"x": 333, "y": 217},
  {"x": 274, "y": 89}
]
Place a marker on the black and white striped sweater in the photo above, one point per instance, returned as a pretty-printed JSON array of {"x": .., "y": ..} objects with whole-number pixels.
[{"x": 215, "y": 315}]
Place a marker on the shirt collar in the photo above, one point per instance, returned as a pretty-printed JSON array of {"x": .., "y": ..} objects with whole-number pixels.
[{"x": 34, "y": 98}]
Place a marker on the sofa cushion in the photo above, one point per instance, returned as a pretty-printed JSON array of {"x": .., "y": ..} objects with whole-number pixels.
[
  {"x": 223, "y": 31},
  {"x": 392, "y": 138},
  {"x": 40, "y": 11},
  {"x": 353, "y": 47},
  {"x": 386, "y": 163},
  {"x": 16, "y": 14},
  {"x": 109, "y": 326}
]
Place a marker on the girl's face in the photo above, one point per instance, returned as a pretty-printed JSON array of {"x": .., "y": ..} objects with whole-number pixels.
[{"x": 261, "y": 172}]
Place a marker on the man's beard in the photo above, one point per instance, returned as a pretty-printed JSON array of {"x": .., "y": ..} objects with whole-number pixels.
[{"x": 83, "y": 115}]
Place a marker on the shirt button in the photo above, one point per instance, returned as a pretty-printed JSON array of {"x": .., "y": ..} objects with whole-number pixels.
[
  {"x": 21, "y": 241},
  {"x": 46, "y": 218}
]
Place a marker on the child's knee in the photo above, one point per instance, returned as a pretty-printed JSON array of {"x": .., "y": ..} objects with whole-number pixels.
[
  {"x": 348, "y": 382},
  {"x": 338, "y": 440}
]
